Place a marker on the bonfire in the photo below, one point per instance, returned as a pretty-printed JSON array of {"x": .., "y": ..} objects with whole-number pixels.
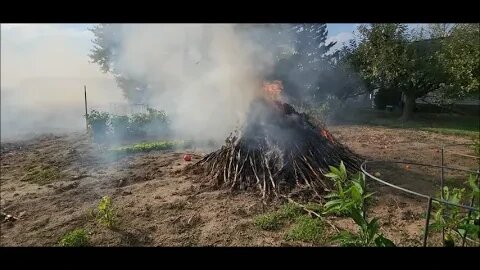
[{"x": 278, "y": 151}]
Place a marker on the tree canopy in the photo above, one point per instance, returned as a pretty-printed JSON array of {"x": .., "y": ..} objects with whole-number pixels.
[{"x": 441, "y": 58}]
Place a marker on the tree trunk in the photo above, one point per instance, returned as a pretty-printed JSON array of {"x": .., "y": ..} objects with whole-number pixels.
[{"x": 409, "y": 105}]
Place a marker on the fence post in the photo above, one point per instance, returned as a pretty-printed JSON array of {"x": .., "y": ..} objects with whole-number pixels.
[
  {"x": 427, "y": 222},
  {"x": 86, "y": 110}
]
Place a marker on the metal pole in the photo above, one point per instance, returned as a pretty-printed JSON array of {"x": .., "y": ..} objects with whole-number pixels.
[
  {"x": 442, "y": 175},
  {"x": 427, "y": 222},
  {"x": 86, "y": 108},
  {"x": 464, "y": 237},
  {"x": 365, "y": 191}
]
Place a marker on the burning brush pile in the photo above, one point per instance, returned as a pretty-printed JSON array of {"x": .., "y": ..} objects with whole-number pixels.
[{"x": 277, "y": 152}]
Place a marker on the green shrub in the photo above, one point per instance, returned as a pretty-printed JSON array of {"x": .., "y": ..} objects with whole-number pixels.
[
  {"x": 103, "y": 124},
  {"x": 106, "y": 213},
  {"x": 75, "y": 238},
  {"x": 98, "y": 124}
]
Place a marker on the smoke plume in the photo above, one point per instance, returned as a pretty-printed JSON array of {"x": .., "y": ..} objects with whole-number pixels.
[
  {"x": 204, "y": 76},
  {"x": 43, "y": 70}
]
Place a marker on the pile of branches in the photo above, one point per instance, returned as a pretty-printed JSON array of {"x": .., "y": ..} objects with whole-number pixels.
[{"x": 278, "y": 151}]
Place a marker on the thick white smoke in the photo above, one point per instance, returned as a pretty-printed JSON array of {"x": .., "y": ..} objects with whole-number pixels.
[
  {"x": 204, "y": 76},
  {"x": 43, "y": 70}
]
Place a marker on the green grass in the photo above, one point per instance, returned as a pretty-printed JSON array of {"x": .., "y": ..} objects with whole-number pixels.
[
  {"x": 289, "y": 211},
  {"x": 268, "y": 222},
  {"x": 75, "y": 238},
  {"x": 306, "y": 229},
  {"x": 467, "y": 125},
  {"x": 42, "y": 175},
  {"x": 315, "y": 207},
  {"x": 146, "y": 147},
  {"x": 275, "y": 220}
]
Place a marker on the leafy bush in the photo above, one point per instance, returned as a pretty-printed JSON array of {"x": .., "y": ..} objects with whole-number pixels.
[
  {"x": 102, "y": 124},
  {"x": 75, "y": 238},
  {"x": 98, "y": 124}
]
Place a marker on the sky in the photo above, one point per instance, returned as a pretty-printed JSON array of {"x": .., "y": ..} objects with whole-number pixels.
[
  {"x": 21, "y": 44},
  {"x": 29, "y": 39}
]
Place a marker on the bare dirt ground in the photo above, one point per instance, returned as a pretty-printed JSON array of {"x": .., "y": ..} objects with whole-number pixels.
[{"x": 159, "y": 206}]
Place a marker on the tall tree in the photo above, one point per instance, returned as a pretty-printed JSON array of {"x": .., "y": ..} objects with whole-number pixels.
[
  {"x": 459, "y": 56},
  {"x": 106, "y": 46},
  {"x": 304, "y": 70},
  {"x": 390, "y": 60}
]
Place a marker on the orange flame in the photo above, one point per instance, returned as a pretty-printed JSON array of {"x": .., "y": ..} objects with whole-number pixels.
[
  {"x": 273, "y": 89},
  {"x": 327, "y": 135}
]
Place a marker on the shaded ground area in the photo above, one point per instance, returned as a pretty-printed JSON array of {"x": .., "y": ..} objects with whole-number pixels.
[{"x": 51, "y": 183}]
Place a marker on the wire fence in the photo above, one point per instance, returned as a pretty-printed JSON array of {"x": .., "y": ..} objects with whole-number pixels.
[{"x": 429, "y": 198}]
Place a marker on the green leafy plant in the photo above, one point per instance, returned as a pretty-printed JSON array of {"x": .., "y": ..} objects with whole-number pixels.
[
  {"x": 455, "y": 223},
  {"x": 368, "y": 235},
  {"x": 75, "y": 238},
  {"x": 105, "y": 213},
  {"x": 349, "y": 199},
  {"x": 348, "y": 195}
]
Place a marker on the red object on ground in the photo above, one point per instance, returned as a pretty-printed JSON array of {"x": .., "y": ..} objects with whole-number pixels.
[{"x": 187, "y": 157}]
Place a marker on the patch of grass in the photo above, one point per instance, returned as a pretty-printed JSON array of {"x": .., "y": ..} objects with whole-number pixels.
[
  {"x": 268, "y": 222},
  {"x": 42, "y": 175},
  {"x": 146, "y": 147},
  {"x": 306, "y": 229},
  {"x": 449, "y": 131},
  {"x": 442, "y": 123},
  {"x": 289, "y": 211},
  {"x": 275, "y": 220},
  {"x": 75, "y": 238},
  {"x": 315, "y": 207}
]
